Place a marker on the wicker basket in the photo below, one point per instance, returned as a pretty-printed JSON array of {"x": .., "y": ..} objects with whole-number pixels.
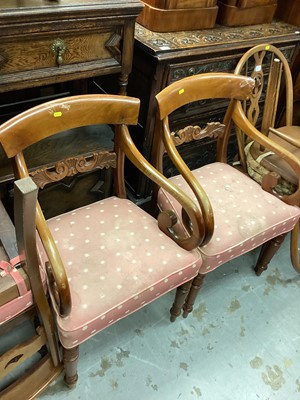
[{"x": 257, "y": 172}]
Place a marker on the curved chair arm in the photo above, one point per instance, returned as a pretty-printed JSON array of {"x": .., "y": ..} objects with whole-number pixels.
[
  {"x": 57, "y": 277},
  {"x": 283, "y": 135},
  {"x": 185, "y": 91},
  {"x": 245, "y": 125},
  {"x": 199, "y": 192},
  {"x": 125, "y": 144},
  {"x": 58, "y": 282}
]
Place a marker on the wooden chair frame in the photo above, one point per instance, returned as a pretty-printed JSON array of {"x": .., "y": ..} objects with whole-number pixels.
[
  {"x": 64, "y": 114},
  {"x": 199, "y": 87},
  {"x": 279, "y": 85}
]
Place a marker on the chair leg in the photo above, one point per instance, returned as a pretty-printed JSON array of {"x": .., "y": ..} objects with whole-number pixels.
[
  {"x": 189, "y": 303},
  {"x": 267, "y": 252},
  {"x": 294, "y": 247},
  {"x": 181, "y": 294},
  {"x": 70, "y": 360}
]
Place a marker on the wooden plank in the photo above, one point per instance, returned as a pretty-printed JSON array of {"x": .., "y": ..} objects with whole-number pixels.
[
  {"x": 8, "y": 287},
  {"x": 7, "y": 233},
  {"x": 21, "y": 352},
  {"x": 33, "y": 382}
]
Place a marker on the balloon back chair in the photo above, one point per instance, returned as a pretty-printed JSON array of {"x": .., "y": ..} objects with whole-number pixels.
[
  {"x": 28, "y": 363},
  {"x": 239, "y": 215},
  {"x": 270, "y": 110},
  {"x": 108, "y": 259}
]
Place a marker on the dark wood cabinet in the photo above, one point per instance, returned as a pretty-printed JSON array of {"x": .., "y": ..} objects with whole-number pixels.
[
  {"x": 43, "y": 42},
  {"x": 162, "y": 58}
]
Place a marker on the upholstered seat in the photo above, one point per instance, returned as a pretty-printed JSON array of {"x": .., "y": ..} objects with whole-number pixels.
[
  {"x": 245, "y": 215},
  {"x": 123, "y": 263}
]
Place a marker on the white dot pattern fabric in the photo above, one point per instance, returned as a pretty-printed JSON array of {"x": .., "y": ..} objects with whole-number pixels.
[
  {"x": 117, "y": 260},
  {"x": 245, "y": 215}
]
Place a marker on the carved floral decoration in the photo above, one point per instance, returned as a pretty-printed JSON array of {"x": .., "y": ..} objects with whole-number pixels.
[
  {"x": 72, "y": 166},
  {"x": 190, "y": 133}
]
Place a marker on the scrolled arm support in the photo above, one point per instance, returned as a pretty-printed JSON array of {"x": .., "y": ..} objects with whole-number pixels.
[
  {"x": 167, "y": 219},
  {"x": 200, "y": 194},
  {"x": 59, "y": 282}
]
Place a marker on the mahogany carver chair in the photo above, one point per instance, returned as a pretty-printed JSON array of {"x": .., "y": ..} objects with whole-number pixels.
[
  {"x": 106, "y": 260},
  {"x": 270, "y": 110},
  {"x": 239, "y": 215},
  {"x": 28, "y": 362}
]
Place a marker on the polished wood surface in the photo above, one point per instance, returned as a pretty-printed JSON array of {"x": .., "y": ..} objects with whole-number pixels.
[
  {"x": 168, "y": 4},
  {"x": 177, "y": 19},
  {"x": 229, "y": 15}
]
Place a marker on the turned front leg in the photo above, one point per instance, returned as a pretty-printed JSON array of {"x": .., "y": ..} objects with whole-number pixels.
[
  {"x": 268, "y": 250},
  {"x": 195, "y": 288},
  {"x": 70, "y": 360},
  {"x": 181, "y": 294}
]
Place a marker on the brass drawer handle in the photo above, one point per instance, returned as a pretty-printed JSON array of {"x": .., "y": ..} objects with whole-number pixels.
[{"x": 59, "y": 48}]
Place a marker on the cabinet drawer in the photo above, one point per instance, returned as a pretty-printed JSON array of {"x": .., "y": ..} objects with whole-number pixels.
[{"x": 44, "y": 53}]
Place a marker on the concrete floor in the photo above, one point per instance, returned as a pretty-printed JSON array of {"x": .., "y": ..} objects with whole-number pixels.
[{"x": 241, "y": 342}]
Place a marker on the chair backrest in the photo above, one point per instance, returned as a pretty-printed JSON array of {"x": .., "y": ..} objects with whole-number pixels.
[
  {"x": 180, "y": 93},
  {"x": 268, "y": 66},
  {"x": 65, "y": 114},
  {"x": 272, "y": 99}
]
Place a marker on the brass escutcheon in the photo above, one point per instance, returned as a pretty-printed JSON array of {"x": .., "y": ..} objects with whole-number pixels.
[{"x": 59, "y": 47}]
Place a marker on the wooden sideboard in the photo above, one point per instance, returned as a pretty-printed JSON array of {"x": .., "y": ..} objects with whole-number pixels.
[
  {"x": 50, "y": 49},
  {"x": 45, "y": 42},
  {"x": 161, "y": 58}
]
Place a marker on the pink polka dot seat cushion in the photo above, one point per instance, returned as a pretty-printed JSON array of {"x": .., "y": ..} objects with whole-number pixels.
[
  {"x": 245, "y": 215},
  {"x": 124, "y": 262}
]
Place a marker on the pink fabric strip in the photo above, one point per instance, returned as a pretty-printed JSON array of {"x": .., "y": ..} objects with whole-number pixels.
[{"x": 9, "y": 268}]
